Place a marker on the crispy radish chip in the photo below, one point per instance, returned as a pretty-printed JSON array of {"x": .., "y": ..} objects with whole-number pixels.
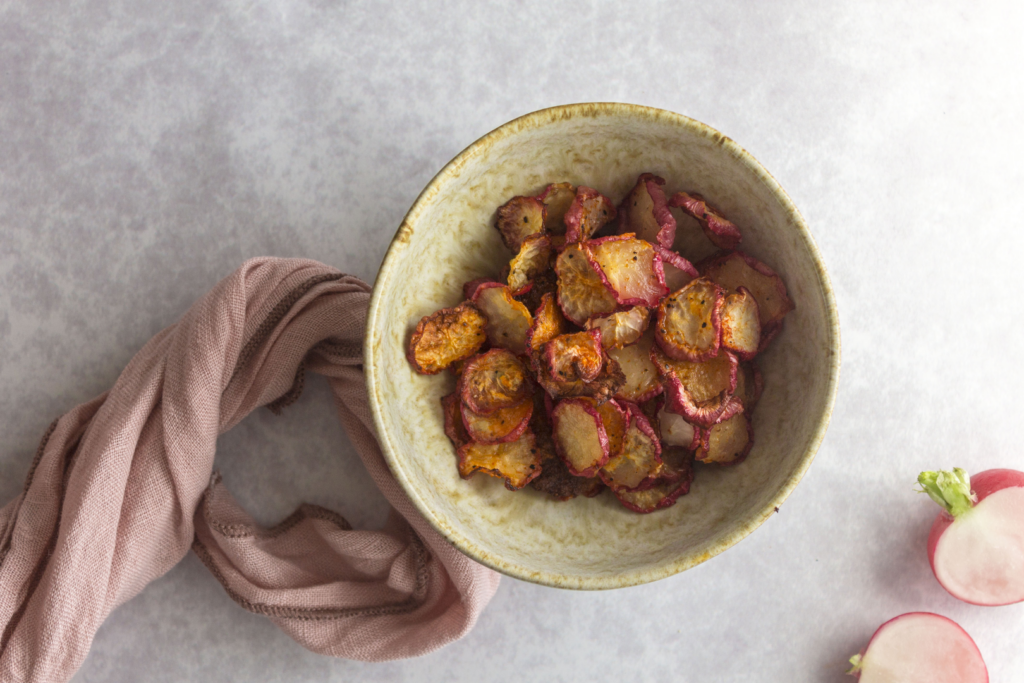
[
  {"x": 580, "y": 437},
  {"x": 446, "y": 337},
  {"x": 749, "y": 385},
  {"x": 630, "y": 268},
  {"x": 741, "y": 326},
  {"x": 642, "y": 379},
  {"x": 508, "y": 320},
  {"x": 666, "y": 490},
  {"x": 582, "y": 293},
  {"x": 541, "y": 284},
  {"x": 602, "y": 388},
  {"x": 700, "y": 392},
  {"x": 722, "y": 232},
  {"x": 589, "y": 212},
  {"x": 676, "y": 431},
  {"x": 456, "y": 432},
  {"x": 504, "y": 424},
  {"x": 519, "y": 218},
  {"x": 548, "y": 323},
  {"x": 622, "y": 328},
  {"x": 494, "y": 380},
  {"x": 534, "y": 258},
  {"x": 728, "y": 442},
  {"x": 678, "y": 271},
  {"x": 572, "y": 357},
  {"x": 517, "y": 462},
  {"x": 645, "y": 212},
  {"x": 638, "y": 463},
  {"x": 689, "y": 321},
  {"x": 677, "y": 463},
  {"x": 615, "y": 421},
  {"x": 736, "y": 269},
  {"x": 557, "y": 198},
  {"x": 558, "y": 482}
]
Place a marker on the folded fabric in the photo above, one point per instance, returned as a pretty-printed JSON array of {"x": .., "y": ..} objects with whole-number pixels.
[{"x": 122, "y": 487}]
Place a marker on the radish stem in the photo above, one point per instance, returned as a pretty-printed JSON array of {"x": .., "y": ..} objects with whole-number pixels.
[{"x": 951, "y": 490}]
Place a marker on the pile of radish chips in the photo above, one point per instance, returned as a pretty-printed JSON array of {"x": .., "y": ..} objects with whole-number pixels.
[{"x": 602, "y": 358}]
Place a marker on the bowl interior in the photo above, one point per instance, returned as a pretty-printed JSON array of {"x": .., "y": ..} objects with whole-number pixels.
[{"x": 448, "y": 238}]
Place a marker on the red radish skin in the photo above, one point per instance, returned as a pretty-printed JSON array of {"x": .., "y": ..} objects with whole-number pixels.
[
  {"x": 920, "y": 647},
  {"x": 976, "y": 547}
]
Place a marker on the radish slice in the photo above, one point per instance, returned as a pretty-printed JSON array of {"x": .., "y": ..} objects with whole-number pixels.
[
  {"x": 557, "y": 199},
  {"x": 589, "y": 212},
  {"x": 519, "y": 218},
  {"x": 580, "y": 436},
  {"x": 534, "y": 257},
  {"x": 920, "y": 647},
  {"x": 645, "y": 212},
  {"x": 976, "y": 545}
]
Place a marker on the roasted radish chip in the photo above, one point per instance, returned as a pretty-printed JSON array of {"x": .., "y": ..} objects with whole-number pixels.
[
  {"x": 558, "y": 482},
  {"x": 494, "y": 380},
  {"x": 678, "y": 272},
  {"x": 749, "y": 385},
  {"x": 541, "y": 284},
  {"x": 557, "y": 199},
  {"x": 727, "y": 442},
  {"x": 645, "y": 212},
  {"x": 456, "y": 432},
  {"x": 676, "y": 431},
  {"x": 677, "y": 463},
  {"x": 507, "y": 320},
  {"x": 768, "y": 333},
  {"x": 582, "y": 293},
  {"x": 630, "y": 268},
  {"x": 519, "y": 218},
  {"x": 663, "y": 494},
  {"x": 736, "y": 269},
  {"x": 589, "y": 212},
  {"x": 689, "y": 321},
  {"x": 700, "y": 392},
  {"x": 572, "y": 357},
  {"x": 642, "y": 379},
  {"x": 504, "y": 424},
  {"x": 517, "y": 462},
  {"x": 722, "y": 232},
  {"x": 615, "y": 421},
  {"x": 638, "y": 463},
  {"x": 741, "y": 326},
  {"x": 534, "y": 258},
  {"x": 548, "y": 323},
  {"x": 469, "y": 288},
  {"x": 580, "y": 437},
  {"x": 446, "y": 337},
  {"x": 622, "y": 328},
  {"x": 602, "y": 388}
]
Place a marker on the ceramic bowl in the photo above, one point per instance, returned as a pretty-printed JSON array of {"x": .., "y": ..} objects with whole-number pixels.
[{"x": 448, "y": 238}]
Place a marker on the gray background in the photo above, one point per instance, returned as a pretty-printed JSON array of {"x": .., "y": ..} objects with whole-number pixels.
[{"x": 147, "y": 148}]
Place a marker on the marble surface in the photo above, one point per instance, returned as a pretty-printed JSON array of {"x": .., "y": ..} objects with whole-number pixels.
[{"x": 147, "y": 148}]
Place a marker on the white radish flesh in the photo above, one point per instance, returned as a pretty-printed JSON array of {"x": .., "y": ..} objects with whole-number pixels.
[{"x": 920, "y": 647}]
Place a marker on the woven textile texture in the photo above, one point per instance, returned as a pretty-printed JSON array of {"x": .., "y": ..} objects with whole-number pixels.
[{"x": 122, "y": 487}]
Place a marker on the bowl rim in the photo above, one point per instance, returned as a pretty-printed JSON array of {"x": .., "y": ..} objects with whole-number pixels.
[{"x": 402, "y": 237}]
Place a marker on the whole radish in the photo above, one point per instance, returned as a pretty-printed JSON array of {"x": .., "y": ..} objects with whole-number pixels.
[
  {"x": 976, "y": 545},
  {"x": 920, "y": 647}
]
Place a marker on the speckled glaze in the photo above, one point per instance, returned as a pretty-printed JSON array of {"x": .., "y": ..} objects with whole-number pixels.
[{"x": 447, "y": 238}]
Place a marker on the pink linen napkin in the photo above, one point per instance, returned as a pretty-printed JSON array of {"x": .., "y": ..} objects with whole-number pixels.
[{"x": 121, "y": 488}]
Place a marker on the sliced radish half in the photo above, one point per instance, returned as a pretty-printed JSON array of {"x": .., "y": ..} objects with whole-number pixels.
[
  {"x": 920, "y": 647},
  {"x": 976, "y": 545}
]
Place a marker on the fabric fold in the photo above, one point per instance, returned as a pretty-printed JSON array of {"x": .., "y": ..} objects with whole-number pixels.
[{"x": 122, "y": 487}]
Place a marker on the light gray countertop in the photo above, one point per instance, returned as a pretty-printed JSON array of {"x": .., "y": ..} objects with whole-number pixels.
[{"x": 148, "y": 148}]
